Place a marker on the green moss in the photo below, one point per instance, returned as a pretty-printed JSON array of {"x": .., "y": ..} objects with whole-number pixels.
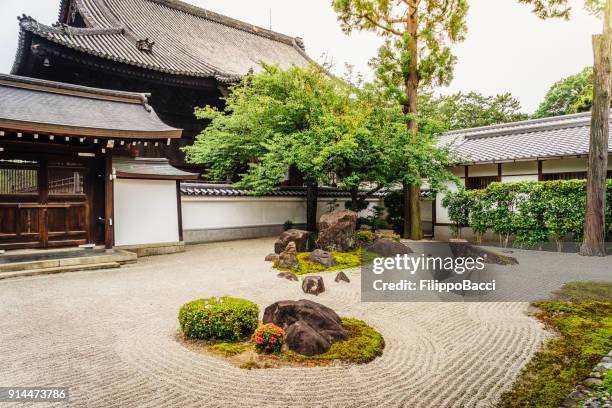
[
  {"x": 586, "y": 292},
  {"x": 585, "y": 336},
  {"x": 228, "y": 349},
  {"x": 346, "y": 260},
  {"x": 364, "y": 345}
]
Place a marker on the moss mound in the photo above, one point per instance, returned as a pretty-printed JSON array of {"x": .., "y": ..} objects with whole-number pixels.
[
  {"x": 363, "y": 345},
  {"x": 223, "y": 318},
  {"x": 346, "y": 260}
]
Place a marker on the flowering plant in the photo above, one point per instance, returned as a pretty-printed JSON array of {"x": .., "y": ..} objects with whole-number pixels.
[{"x": 268, "y": 338}]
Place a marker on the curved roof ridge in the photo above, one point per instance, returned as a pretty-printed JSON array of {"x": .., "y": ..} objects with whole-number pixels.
[
  {"x": 225, "y": 20},
  {"x": 523, "y": 125},
  {"x": 61, "y": 87}
]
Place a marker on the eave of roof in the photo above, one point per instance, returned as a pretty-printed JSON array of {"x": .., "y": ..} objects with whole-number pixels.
[
  {"x": 149, "y": 168},
  {"x": 44, "y": 107}
]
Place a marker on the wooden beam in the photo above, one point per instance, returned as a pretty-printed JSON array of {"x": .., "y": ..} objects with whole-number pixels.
[{"x": 109, "y": 223}]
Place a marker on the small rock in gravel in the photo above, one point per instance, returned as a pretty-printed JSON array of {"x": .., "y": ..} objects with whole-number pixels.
[
  {"x": 323, "y": 258},
  {"x": 313, "y": 285},
  {"x": 288, "y": 275},
  {"x": 271, "y": 257},
  {"x": 341, "y": 276}
]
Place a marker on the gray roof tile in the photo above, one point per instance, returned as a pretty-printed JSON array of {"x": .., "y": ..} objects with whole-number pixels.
[
  {"x": 188, "y": 40},
  {"x": 559, "y": 136}
]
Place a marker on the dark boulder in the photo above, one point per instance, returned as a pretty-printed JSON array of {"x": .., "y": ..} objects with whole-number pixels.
[
  {"x": 288, "y": 258},
  {"x": 388, "y": 248},
  {"x": 311, "y": 327},
  {"x": 288, "y": 275},
  {"x": 313, "y": 285},
  {"x": 341, "y": 276},
  {"x": 337, "y": 230},
  {"x": 322, "y": 257},
  {"x": 463, "y": 249},
  {"x": 299, "y": 237}
]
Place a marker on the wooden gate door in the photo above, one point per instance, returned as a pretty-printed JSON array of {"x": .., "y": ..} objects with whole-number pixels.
[{"x": 44, "y": 202}]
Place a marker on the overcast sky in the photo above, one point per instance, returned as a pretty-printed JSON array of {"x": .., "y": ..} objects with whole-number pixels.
[{"x": 507, "y": 48}]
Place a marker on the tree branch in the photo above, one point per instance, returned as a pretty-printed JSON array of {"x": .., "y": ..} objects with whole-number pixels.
[{"x": 381, "y": 26}]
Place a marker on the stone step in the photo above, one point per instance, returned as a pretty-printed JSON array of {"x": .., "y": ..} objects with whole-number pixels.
[
  {"x": 118, "y": 256},
  {"x": 60, "y": 269}
]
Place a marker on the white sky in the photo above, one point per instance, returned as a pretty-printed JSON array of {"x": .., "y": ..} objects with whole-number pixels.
[{"x": 507, "y": 49}]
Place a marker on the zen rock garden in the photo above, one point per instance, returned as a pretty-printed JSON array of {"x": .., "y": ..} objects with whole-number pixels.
[{"x": 302, "y": 332}]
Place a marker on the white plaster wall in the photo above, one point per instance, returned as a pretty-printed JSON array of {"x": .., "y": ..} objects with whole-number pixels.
[
  {"x": 234, "y": 212},
  {"x": 564, "y": 165},
  {"x": 145, "y": 212},
  {"x": 525, "y": 177},
  {"x": 520, "y": 168},
  {"x": 441, "y": 212},
  {"x": 482, "y": 170}
]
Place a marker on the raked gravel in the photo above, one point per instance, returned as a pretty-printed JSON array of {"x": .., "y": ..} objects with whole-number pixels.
[{"x": 110, "y": 337}]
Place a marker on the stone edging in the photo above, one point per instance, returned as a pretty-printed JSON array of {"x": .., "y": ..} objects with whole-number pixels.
[{"x": 583, "y": 394}]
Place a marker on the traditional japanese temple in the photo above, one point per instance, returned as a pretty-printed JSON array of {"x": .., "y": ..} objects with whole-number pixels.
[
  {"x": 68, "y": 175},
  {"x": 182, "y": 55}
]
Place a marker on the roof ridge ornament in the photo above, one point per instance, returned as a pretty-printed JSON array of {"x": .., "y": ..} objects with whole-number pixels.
[{"x": 145, "y": 45}]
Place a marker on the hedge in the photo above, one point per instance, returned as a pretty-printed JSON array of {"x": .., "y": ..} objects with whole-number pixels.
[
  {"x": 533, "y": 212},
  {"x": 222, "y": 318}
]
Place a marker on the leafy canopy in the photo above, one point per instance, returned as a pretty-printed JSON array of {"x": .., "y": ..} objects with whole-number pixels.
[
  {"x": 467, "y": 110},
  {"x": 438, "y": 23},
  {"x": 573, "y": 94}
]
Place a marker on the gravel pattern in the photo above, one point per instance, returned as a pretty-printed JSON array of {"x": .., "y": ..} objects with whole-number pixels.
[{"x": 109, "y": 336}]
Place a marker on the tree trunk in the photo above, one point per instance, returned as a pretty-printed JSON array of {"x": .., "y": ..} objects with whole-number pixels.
[
  {"x": 595, "y": 211},
  {"x": 406, "y": 211},
  {"x": 355, "y": 199},
  {"x": 312, "y": 198},
  {"x": 412, "y": 210},
  {"x": 416, "y": 232}
]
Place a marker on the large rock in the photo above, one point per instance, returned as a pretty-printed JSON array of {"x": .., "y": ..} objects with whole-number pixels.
[
  {"x": 289, "y": 276},
  {"x": 322, "y": 257},
  {"x": 337, "y": 230},
  {"x": 313, "y": 285},
  {"x": 388, "y": 248},
  {"x": 288, "y": 258},
  {"x": 311, "y": 327},
  {"x": 299, "y": 237}
]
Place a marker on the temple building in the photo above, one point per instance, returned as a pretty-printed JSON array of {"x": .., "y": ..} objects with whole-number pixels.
[{"x": 182, "y": 55}]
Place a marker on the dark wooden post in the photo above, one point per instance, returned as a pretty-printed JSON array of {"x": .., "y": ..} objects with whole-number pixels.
[
  {"x": 109, "y": 222},
  {"x": 179, "y": 209}
]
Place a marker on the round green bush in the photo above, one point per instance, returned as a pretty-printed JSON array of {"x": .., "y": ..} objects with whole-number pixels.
[{"x": 222, "y": 318}]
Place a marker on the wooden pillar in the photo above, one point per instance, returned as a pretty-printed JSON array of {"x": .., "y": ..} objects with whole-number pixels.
[
  {"x": 179, "y": 209},
  {"x": 109, "y": 222}
]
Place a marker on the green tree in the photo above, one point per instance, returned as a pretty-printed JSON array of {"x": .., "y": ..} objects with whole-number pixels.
[
  {"x": 272, "y": 121},
  {"x": 468, "y": 110},
  {"x": 416, "y": 53},
  {"x": 569, "y": 95}
]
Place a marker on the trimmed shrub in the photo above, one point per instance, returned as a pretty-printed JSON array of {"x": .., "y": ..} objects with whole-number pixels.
[
  {"x": 268, "y": 338},
  {"x": 533, "y": 212},
  {"x": 223, "y": 318}
]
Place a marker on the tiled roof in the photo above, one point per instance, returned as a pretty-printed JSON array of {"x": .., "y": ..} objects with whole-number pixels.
[
  {"x": 186, "y": 40},
  {"x": 79, "y": 110},
  {"x": 204, "y": 189},
  {"x": 149, "y": 167},
  {"x": 560, "y": 136}
]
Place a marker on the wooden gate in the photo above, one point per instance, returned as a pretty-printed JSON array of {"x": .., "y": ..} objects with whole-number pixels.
[{"x": 44, "y": 202}]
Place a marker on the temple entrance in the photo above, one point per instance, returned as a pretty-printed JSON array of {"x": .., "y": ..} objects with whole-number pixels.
[{"x": 47, "y": 201}]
